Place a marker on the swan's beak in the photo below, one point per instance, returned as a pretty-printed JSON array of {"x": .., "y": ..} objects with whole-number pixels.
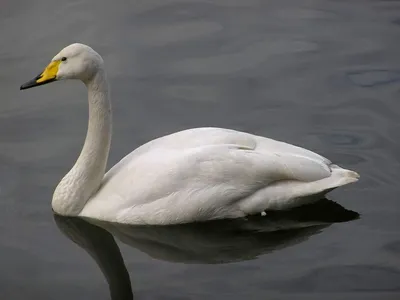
[{"x": 48, "y": 75}]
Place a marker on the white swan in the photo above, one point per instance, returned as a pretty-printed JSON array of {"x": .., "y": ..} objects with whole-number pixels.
[{"x": 192, "y": 175}]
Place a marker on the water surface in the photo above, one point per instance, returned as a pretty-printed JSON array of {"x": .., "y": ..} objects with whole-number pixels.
[{"x": 320, "y": 74}]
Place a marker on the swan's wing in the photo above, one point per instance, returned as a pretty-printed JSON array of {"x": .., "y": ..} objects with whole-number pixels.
[
  {"x": 208, "y": 136},
  {"x": 202, "y": 183}
]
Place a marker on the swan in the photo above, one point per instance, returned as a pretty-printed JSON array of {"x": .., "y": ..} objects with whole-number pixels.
[{"x": 189, "y": 176}]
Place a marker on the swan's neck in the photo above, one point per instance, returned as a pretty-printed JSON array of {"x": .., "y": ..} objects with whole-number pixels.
[{"x": 84, "y": 179}]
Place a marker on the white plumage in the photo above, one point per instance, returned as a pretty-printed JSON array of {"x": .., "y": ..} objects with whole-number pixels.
[{"x": 192, "y": 175}]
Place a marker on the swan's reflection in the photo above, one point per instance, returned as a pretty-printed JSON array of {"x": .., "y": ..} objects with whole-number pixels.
[
  {"x": 102, "y": 247},
  {"x": 203, "y": 243}
]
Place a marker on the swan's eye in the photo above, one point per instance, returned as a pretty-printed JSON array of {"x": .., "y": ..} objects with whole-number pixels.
[{"x": 63, "y": 59}]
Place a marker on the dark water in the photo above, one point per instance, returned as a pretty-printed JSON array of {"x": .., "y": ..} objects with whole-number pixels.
[{"x": 321, "y": 74}]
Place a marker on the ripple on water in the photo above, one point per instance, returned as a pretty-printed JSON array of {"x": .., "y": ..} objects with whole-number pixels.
[
  {"x": 9, "y": 178},
  {"x": 194, "y": 93},
  {"x": 346, "y": 278},
  {"x": 371, "y": 78},
  {"x": 248, "y": 57},
  {"x": 171, "y": 33},
  {"x": 393, "y": 247}
]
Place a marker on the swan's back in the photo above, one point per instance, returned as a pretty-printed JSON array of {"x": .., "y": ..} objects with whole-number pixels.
[{"x": 203, "y": 136}]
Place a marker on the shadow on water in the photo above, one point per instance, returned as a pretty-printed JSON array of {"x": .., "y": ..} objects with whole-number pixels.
[{"x": 215, "y": 242}]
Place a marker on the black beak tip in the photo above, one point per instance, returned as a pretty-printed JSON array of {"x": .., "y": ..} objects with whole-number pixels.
[
  {"x": 28, "y": 84},
  {"x": 32, "y": 83},
  {"x": 25, "y": 86}
]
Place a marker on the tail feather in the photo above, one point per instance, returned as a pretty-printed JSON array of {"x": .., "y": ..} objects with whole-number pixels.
[
  {"x": 289, "y": 194},
  {"x": 340, "y": 176}
]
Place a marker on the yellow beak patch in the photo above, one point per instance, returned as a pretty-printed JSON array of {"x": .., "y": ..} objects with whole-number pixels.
[{"x": 50, "y": 72}]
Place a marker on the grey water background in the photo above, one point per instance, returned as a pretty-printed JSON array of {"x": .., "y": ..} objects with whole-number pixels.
[{"x": 321, "y": 74}]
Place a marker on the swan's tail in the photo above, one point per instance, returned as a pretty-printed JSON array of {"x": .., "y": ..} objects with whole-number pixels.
[
  {"x": 318, "y": 189},
  {"x": 341, "y": 176},
  {"x": 284, "y": 195}
]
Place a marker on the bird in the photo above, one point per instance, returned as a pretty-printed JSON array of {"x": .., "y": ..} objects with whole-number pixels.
[{"x": 193, "y": 175}]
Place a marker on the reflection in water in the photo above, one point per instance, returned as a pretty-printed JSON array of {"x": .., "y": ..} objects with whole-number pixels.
[
  {"x": 204, "y": 243},
  {"x": 102, "y": 248}
]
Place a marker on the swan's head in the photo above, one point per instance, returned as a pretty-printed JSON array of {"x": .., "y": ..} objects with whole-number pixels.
[{"x": 76, "y": 61}]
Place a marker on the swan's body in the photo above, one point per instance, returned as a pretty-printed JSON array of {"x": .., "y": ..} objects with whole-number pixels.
[{"x": 192, "y": 175}]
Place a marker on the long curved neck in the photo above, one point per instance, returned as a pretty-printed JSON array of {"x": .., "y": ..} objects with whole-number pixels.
[{"x": 84, "y": 179}]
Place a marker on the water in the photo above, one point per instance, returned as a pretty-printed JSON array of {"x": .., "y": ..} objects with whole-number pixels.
[{"x": 320, "y": 74}]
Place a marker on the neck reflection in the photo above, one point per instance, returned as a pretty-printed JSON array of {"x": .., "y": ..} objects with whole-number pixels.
[{"x": 101, "y": 246}]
